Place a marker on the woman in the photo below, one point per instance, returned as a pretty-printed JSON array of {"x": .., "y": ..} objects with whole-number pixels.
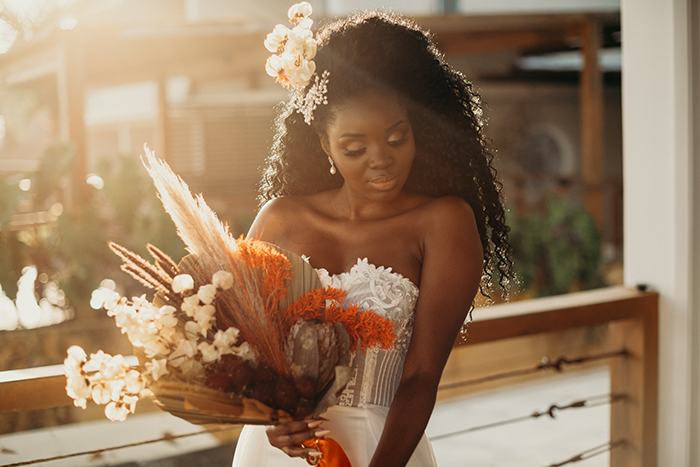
[{"x": 379, "y": 174}]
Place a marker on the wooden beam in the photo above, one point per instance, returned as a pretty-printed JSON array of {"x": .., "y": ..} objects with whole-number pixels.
[
  {"x": 477, "y": 42},
  {"x": 29, "y": 67},
  {"x": 473, "y": 23},
  {"x": 635, "y": 378},
  {"x": 34, "y": 394},
  {"x": 592, "y": 121},
  {"x": 114, "y": 60},
  {"x": 556, "y": 313}
]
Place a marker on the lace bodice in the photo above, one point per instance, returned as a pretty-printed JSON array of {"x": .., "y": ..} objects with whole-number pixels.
[{"x": 377, "y": 372}]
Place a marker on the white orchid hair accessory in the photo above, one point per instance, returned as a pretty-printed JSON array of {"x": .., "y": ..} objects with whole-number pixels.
[
  {"x": 293, "y": 64},
  {"x": 296, "y": 48}
]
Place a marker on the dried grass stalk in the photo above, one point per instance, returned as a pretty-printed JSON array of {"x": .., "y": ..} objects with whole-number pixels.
[{"x": 215, "y": 249}]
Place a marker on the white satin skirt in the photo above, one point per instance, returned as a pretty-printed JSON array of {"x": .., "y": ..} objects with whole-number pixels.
[{"x": 356, "y": 429}]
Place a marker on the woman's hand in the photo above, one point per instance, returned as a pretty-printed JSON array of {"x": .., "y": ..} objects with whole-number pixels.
[{"x": 289, "y": 436}]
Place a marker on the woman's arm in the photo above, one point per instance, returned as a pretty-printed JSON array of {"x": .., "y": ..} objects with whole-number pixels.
[{"x": 450, "y": 276}]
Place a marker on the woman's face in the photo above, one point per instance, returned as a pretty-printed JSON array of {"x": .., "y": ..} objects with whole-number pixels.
[{"x": 370, "y": 140}]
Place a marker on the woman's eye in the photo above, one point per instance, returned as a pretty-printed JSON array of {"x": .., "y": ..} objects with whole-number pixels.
[
  {"x": 354, "y": 152},
  {"x": 398, "y": 142}
]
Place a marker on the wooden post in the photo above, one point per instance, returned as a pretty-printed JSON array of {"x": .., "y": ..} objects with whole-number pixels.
[
  {"x": 163, "y": 130},
  {"x": 72, "y": 84},
  {"x": 634, "y": 418},
  {"x": 62, "y": 94},
  {"x": 592, "y": 113}
]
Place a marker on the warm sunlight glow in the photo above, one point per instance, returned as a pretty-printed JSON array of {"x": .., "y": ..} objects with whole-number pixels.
[
  {"x": 68, "y": 23},
  {"x": 26, "y": 10},
  {"x": 95, "y": 181},
  {"x": 25, "y": 184},
  {"x": 100, "y": 295},
  {"x": 26, "y": 312}
]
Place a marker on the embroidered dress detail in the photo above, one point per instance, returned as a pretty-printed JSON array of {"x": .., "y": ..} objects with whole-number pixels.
[
  {"x": 358, "y": 419},
  {"x": 388, "y": 294}
]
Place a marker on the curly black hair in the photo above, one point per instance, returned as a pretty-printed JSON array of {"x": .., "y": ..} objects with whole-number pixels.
[{"x": 386, "y": 52}]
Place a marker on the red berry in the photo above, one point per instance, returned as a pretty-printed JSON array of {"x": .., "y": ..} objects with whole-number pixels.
[
  {"x": 306, "y": 386},
  {"x": 286, "y": 395},
  {"x": 241, "y": 376},
  {"x": 218, "y": 381},
  {"x": 303, "y": 408}
]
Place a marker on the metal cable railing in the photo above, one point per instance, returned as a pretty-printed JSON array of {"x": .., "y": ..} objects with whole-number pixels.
[
  {"x": 590, "y": 402},
  {"x": 631, "y": 317},
  {"x": 592, "y": 452},
  {"x": 96, "y": 452},
  {"x": 545, "y": 364}
]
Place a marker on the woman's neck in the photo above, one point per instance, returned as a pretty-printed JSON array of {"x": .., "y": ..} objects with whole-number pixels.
[{"x": 346, "y": 204}]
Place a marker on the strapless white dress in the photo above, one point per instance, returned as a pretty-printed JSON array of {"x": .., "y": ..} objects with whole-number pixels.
[{"x": 358, "y": 419}]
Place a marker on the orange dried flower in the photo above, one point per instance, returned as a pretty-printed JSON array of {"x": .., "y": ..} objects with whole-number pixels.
[
  {"x": 273, "y": 265},
  {"x": 363, "y": 325}
]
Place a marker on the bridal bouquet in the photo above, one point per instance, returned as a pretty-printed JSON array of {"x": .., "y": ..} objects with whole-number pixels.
[{"x": 239, "y": 331}]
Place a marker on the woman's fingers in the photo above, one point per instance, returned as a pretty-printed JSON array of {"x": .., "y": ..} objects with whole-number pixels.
[
  {"x": 295, "y": 439},
  {"x": 287, "y": 428},
  {"x": 289, "y": 437},
  {"x": 300, "y": 451}
]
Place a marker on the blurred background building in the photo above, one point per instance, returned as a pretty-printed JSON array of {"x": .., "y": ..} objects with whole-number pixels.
[
  {"x": 99, "y": 80},
  {"x": 84, "y": 84}
]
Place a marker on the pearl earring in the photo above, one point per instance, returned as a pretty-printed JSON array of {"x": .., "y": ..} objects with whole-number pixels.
[{"x": 333, "y": 171}]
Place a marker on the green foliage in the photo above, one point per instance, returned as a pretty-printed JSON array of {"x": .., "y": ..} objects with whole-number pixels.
[
  {"x": 73, "y": 248},
  {"x": 134, "y": 210},
  {"x": 53, "y": 172},
  {"x": 10, "y": 195},
  {"x": 19, "y": 105},
  {"x": 12, "y": 252},
  {"x": 556, "y": 251}
]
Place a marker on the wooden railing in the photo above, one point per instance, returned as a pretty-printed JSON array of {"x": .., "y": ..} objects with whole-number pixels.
[{"x": 630, "y": 317}]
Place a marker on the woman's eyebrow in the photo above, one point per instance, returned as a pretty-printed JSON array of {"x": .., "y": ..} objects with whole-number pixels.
[
  {"x": 360, "y": 135},
  {"x": 391, "y": 128},
  {"x": 351, "y": 135}
]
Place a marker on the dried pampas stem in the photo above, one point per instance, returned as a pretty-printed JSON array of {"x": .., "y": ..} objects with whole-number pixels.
[
  {"x": 163, "y": 261},
  {"x": 142, "y": 270},
  {"x": 197, "y": 225},
  {"x": 205, "y": 237},
  {"x": 144, "y": 279}
]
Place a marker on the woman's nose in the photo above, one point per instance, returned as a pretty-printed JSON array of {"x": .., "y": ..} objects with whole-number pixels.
[{"x": 380, "y": 159}]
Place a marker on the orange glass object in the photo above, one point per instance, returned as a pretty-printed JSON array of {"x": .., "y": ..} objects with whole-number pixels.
[{"x": 332, "y": 455}]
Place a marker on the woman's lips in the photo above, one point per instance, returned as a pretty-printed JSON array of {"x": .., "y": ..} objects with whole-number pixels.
[{"x": 384, "y": 183}]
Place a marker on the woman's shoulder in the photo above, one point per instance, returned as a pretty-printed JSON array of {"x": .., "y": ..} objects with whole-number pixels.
[
  {"x": 450, "y": 232},
  {"x": 293, "y": 205},
  {"x": 272, "y": 221},
  {"x": 279, "y": 205},
  {"x": 278, "y": 215},
  {"x": 439, "y": 220},
  {"x": 444, "y": 208}
]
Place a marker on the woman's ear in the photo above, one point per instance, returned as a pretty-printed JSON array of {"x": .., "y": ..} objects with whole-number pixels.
[{"x": 324, "y": 144}]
